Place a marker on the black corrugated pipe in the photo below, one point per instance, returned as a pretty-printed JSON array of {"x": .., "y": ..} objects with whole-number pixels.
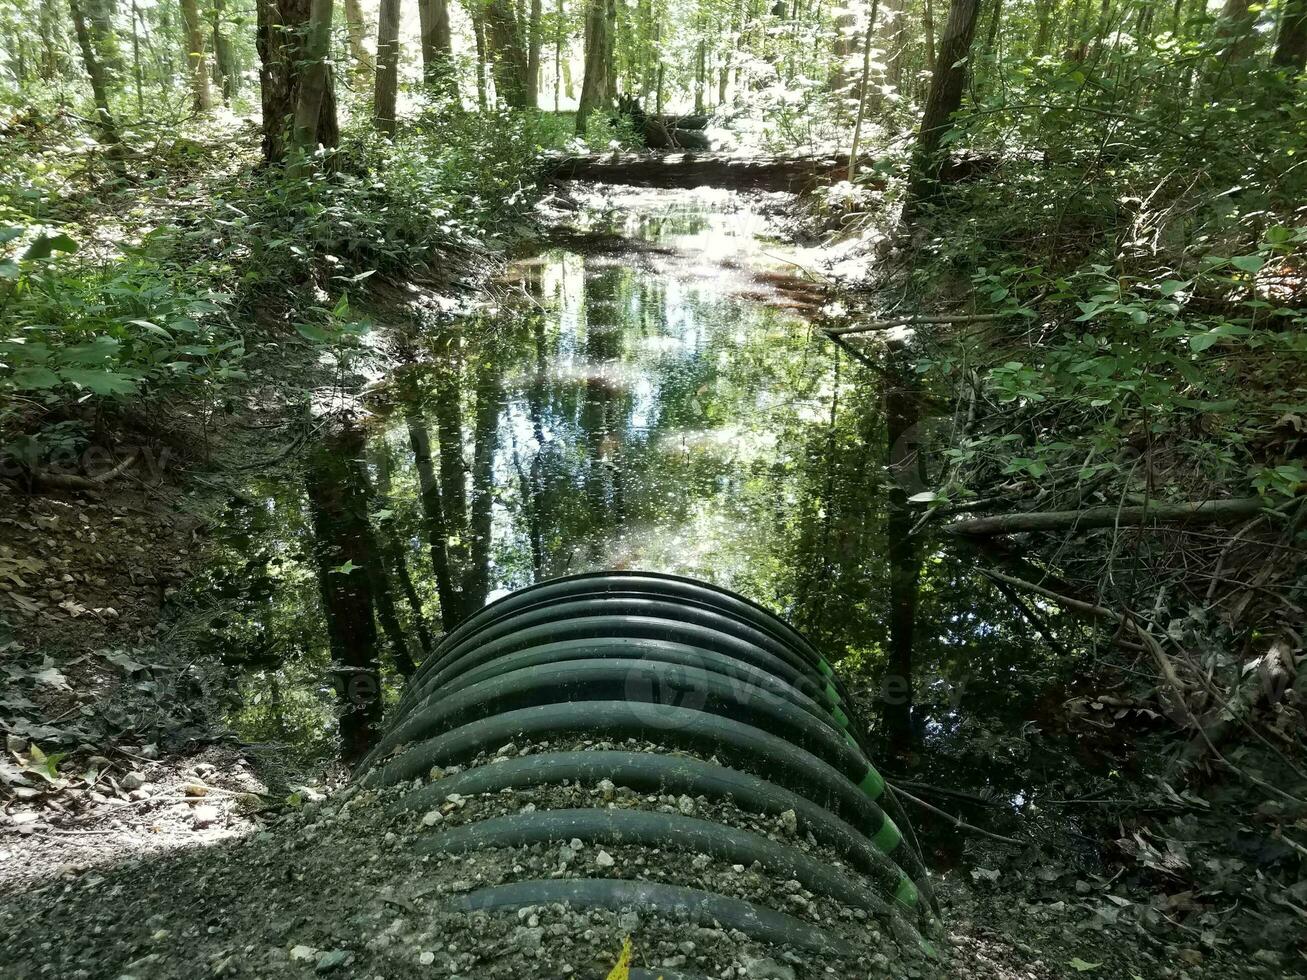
[{"x": 689, "y": 668}]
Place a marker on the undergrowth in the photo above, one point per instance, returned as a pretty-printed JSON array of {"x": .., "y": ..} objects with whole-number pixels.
[{"x": 113, "y": 292}]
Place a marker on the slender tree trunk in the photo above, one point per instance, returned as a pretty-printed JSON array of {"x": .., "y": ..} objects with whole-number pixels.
[
  {"x": 902, "y": 402},
  {"x": 434, "y": 520},
  {"x": 595, "y": 88},
  {"x": 387, "y": 85},
  {"x": 341, "y": 538},
  {"x": 104, "y": 119},
  {"x": 224, "y": 57},
  {"x": 201, "y": 101},
  {"x": 862, "y": 88},
  {"x": 51, "y": 28},
  {"x": 357, "y": 31},
  {"x": 534, "y": 39},
  {"x": 1291, "y": 45},
  {"x": 558, "y": 53},
  {"x": 928, "y": 28},
  {"x": 1044, "y": 30},
  {"x": 508, "y": 54},
  {"x": 479, "y": 33},
  {"x": 699, "y": 77},
  {"x": 946, "y": 87},
  {"x": 393, "y": 554},
  {"x": 104, "y": 38},
  {"x": 316, "y": 78},
  {"x": 895, "y": 42},
  {"x": 996, "y": 21},
  {"x": 136, "y": 61},
  {"x": 486, "y": 441},
  {"x": 437, "y": 45}
]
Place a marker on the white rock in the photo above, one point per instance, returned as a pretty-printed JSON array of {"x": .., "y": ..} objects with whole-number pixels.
[
  {"x": 131, "y": 781},
  {"x": 301, "y": 954},
  {"x": 431, "y": 818},
  {"x": 205, "y": 816},
  {"x": 604, "y": 859},
  {"x": 790, "y": 822}
]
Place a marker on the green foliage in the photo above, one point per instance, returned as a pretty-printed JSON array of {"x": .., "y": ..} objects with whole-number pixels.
[
  {"x": 77, "y": 329},
  {"x": 1139, "y": 234}
]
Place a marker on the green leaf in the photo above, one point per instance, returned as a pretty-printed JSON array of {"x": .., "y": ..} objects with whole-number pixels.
[
  {"x": 1248, "y": 263},
  {"x": 45, "y": 245},
  {"x": 346, "y": 568},
  {"x": 1199, "y": 342},
  {"x": 153, "y": 328},
  {"x": 313, "y": 333},
  {"x": 1080, "y": 966},
  {"x": 34, "y": 379},
  {"x": 99, "y": 382}
]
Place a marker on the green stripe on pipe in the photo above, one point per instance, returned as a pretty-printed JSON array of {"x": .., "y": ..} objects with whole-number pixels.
[
  {"x": 825, "y": 668},
  {"x": 872, "y": 784},
  {"x": 840, "y": 717},
  {"x": 832, "y": 695},
  {"x": 888, "y": 837},
  {"x": 906, "y": 893}
]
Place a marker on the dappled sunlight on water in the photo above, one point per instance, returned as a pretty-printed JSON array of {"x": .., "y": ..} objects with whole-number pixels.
[{"x": 628, "y": 405}]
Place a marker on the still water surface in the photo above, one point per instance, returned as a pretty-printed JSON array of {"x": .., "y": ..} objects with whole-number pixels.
[{"x": 652, "y": 395}]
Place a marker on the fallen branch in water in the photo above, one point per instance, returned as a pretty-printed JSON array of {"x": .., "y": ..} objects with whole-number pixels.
[
  {"x": 956, "y": 821},
  {"x": 1108, "y": 515},
  {"x": 913, "y": 321}
]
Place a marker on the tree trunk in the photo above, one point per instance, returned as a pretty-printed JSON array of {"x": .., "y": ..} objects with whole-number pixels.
[
  {"x": 862, "y": 88},
  {"x": 104, "y": 38},
  {"x": 52, "y": 50},
  {"x": 479, "y": 33},
  {"x": 486, "y": 442},
  {"x": 201, "y": 101},
  {"x": 928, "y": 29},
  {"x": 895, "y": 42},
  {"x": 104, "y": 119},
  {"x": 946, "y": 88},
  {"x": 558, "y": 55},
  {"x": 996, "y": 21},
  {"x": 393, "y": 554},
  {"x": 596, "y": 87},
  {"x": 357, "y": 31},
  {"x": 508, "y": 55},
  {"x": 224, "y": 57},
  {"x": 533, "y": 56},
  {"x": 1291, "y": 46},
  {"x": 1044, "y": 30},
  {"x": 433, "y": 516},
  {"x": 341, "y": 542},
  {"x": 282, "y": 41},
  {"x": 387, "y": 86},
  {"x": 1235, "y": 30},
  {"x": 137, "y": 81},
  {"x": 433, "y": 27},
  {"x": 316, "y": 77},
  {"x": 1185, "y": 512},
  {"x": 904, "y": 461}
]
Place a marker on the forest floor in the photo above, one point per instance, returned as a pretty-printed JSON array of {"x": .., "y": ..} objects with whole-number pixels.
[{"x": 160, "y": 847}]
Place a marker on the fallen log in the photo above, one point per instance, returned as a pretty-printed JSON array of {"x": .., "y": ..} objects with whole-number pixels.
[
  {"x": 1183, "y": 512},
  {"x": 873, "y": 326},
  {"x": 792, "y": 174}
]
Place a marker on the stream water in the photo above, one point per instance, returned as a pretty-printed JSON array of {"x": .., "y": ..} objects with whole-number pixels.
[{"x": 650, "y": 396}]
